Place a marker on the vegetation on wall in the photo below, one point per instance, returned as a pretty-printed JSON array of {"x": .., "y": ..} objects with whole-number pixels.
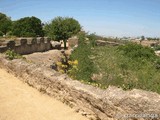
[{"x": 10, "y": 54}]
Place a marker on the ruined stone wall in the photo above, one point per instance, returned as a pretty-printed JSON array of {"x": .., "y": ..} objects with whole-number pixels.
[
  {"x": 72, "y": 42},
  {"x": 110, "y": 104},
  {"x": 26, "y": 45}
]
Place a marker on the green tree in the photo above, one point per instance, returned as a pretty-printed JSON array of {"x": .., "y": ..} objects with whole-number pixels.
[
  {"x": 1, "y": 33},
  {"x": 48, "y": 30},
  {"x": 28, "y": 27},
  {"x": 62, "y": 28},
  {"x": 5, "y": 23}
]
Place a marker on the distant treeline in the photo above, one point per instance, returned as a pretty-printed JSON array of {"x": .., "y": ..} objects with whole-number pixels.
[
  {"x": 59, "y": 28},
  {"x": 24, "y": 27},
  {"x": 149, "y": 38}
]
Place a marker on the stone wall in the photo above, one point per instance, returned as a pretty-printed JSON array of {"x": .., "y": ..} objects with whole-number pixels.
[
  {"x": 26, "y": 45},
  {"x": 104, "y": 43},
  {"x": 110, "y": 104},
  {"x": 72, "y": 42}
]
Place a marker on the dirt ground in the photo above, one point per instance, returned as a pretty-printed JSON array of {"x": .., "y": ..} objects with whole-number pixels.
[{"x": 18, "y": 101}]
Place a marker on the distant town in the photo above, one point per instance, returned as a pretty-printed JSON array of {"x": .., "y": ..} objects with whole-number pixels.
[{"x": 135, "y": 38}]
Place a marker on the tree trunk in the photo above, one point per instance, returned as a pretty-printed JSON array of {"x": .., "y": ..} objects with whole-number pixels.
[{"x": 65, "y": 46}]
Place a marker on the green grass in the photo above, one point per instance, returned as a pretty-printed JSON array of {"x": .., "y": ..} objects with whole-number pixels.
[
  {"x": 122, "y": 71},
  {"x": 130, "y": 66}
]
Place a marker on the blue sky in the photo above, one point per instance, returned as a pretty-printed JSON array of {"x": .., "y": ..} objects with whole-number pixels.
[{"x": 104, "y": 17}]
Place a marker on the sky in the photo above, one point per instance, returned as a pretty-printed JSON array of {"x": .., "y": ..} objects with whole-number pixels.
[{"x": 104, "y": 17}]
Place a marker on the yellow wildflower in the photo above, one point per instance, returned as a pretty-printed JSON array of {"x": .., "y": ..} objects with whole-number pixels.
[
  {"x": 75, "y": 67},
  {"x": 61, "y": 71},
  {"x": 64, "y": 66},
  {"x": 59, "y": 63},
  {"x": 70, "y": 62},
  {"x": 76, "y": 62}
]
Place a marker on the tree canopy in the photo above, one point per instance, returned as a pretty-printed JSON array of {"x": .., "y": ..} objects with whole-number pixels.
[
  {"x": 28, "y": 27},
  {"x": 62, "y": 28},
  {"x": 5, "y": 24}
]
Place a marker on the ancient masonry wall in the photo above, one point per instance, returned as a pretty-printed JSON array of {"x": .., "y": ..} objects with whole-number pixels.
[
  {"x": 26, "y": 45},
  {"x": 110, "y": 104}
]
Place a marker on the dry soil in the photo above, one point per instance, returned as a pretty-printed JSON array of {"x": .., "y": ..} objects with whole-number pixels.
[{"x": 18, "y": 101}]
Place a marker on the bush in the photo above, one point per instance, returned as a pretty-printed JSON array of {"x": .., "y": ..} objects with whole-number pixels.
[
  {"x": 92, "y": 37},
  {"x": 136, "y": 51},
  {"x": 157, "y": 63},
  {"x": 157, "y": 47},
  {"x": 10, "y": 54},
  {"x": 82, "y": 53},
  {"x": 68, "y": 66}
]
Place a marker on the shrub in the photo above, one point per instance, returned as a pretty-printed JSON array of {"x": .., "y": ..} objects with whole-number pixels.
[
  {"x": 69, "y": 67},
  {"x": 10, "y": 54},
  {"x": 136, "y": 51},
  {"x": 92, "y": 37},
  {"x": 72, "y": 68},
  {"x": 157, "y": 47},
  {"x": 157, "y": 63},
  {"x": 82, "y": 53}
]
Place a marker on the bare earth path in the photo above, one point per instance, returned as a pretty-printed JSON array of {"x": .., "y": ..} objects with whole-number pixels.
[{"x": 18, "y": 101}]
